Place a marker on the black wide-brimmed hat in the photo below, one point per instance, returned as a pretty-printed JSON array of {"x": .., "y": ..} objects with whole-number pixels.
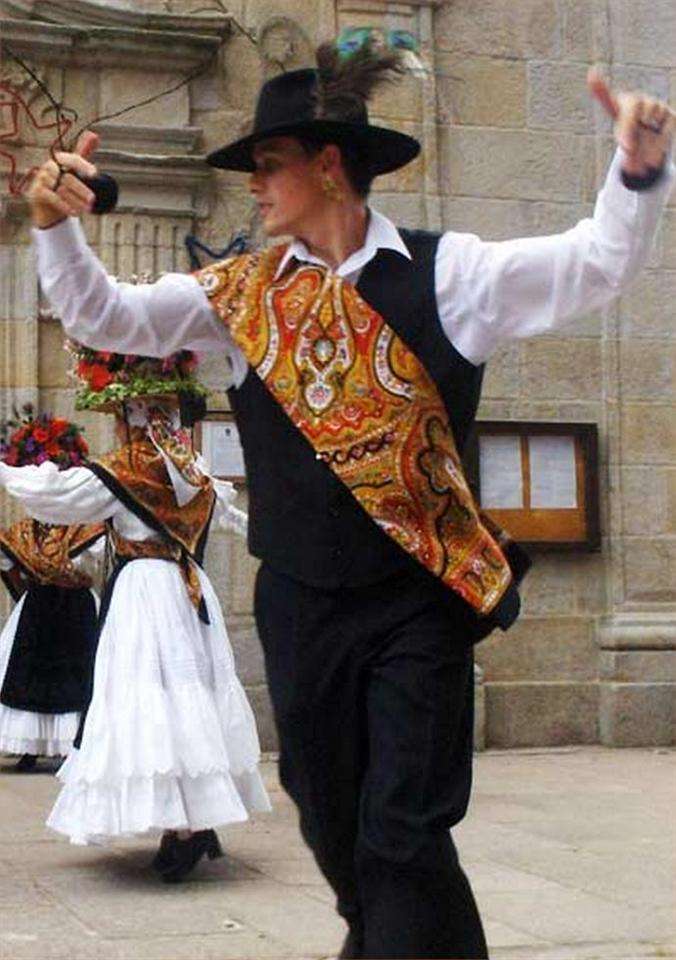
[{"x": 291, "y": 105}]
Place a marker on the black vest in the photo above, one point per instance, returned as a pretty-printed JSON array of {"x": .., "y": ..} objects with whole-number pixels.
[{"x": 303, "y": 521}]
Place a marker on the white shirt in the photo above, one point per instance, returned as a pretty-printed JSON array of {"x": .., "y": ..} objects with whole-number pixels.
[{"x": 487, "y": 292}]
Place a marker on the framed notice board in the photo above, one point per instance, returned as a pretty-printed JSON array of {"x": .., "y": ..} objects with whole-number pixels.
[
  {"x": 217, "y": 439},
  {"x": 538, "y": 480}
]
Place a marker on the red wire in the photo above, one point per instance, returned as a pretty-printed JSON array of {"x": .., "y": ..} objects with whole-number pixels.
[{"x": 17, "y": 184}]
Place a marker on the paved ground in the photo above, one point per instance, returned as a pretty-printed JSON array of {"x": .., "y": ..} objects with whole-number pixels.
[{"x": 571, "y": 854}]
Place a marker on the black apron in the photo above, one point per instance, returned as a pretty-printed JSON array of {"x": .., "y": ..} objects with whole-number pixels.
[{"x": 52, "y": 657}]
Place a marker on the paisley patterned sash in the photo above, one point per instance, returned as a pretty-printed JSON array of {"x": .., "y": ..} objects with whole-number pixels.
[
  {"x": 137, "y": 474},
  {"x": 367, "y": 406},
  {"x": 45, "y": 551},
  {"x": 161, "y": 550}
]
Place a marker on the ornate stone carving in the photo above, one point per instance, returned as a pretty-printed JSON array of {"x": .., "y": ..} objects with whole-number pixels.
[
  {"x": 14, "y": 76},
  {"x": 283, "y": 45},
  {"x": 384, "y": 7},
  {"x": 125, "y": 41},
  {"x": 103, "y": 13}
]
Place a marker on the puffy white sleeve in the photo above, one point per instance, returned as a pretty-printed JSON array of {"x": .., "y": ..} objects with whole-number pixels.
[
  {"x": 59, "y": 496},
  {"x": 236, "y": 520},
  {"x": 153, "y": 319},
  {"x": 491, "y": 292},
  {"x": 226, "y": 514}
]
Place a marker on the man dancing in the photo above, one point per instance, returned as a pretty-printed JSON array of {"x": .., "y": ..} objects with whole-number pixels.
[{"x": 357, "y": 353}]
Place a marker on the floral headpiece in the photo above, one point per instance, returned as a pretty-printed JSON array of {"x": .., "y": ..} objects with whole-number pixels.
[
  {"x": 109, "y": 379},
  {"x": 27, "y": 439}
]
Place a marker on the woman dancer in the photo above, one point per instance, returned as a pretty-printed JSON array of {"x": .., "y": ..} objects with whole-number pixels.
[
  {"x": 169, "y": 741},
  {"x": 47, "y": 644}
]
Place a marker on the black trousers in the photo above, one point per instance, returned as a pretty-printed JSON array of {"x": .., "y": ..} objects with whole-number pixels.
[{"x": 372, "y": 689}]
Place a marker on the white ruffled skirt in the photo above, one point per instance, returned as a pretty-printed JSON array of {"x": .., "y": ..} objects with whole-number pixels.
[
  {"x": 170, "y": 739},
  {"x": 21, "y": 731}
]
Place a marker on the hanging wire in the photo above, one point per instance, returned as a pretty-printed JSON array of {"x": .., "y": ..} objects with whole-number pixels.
[
  {"x": 61, "y": 110},
  {"x": 348, "y": 42},
  {"x": 65, "y": 118}
]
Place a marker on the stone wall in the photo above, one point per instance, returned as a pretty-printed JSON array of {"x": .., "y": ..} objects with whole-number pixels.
[
  {"x": 512, "y": 146},
  {"x": 522, "y": 151}
]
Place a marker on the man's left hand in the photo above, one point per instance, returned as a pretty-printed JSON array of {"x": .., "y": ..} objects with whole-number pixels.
[{"x": 644, "y": 126}]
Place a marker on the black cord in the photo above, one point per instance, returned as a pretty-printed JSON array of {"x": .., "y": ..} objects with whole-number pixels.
[{"x": 199, "y": 71}]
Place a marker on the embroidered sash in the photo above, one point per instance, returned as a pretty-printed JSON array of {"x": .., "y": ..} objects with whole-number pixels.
[
  {"x": 367, "y": 406},
  {"x": 45, "y": 552},
  {"x": 161, "y": 550},
  {"x": 136, "y": 473}
]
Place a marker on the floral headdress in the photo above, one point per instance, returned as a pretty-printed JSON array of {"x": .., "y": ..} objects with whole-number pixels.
[
  {"x": 107, "y": 379},
  {"x": 26, "y": 439}
]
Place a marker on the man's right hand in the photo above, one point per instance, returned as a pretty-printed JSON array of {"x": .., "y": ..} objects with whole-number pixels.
[{"x": 55, "y": 192}]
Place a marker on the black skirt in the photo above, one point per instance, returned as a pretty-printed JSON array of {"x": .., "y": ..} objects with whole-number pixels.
[{"x": 50, "y": 666}]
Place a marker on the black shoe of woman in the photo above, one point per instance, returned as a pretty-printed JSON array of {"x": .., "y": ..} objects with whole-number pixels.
[
  {"x": 184, "y": 855},
  {"x": 26, "y": 763},
  {"x": 163, "y": 859}
]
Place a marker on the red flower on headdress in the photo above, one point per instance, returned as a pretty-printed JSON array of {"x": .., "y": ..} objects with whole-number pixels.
[
  {"x": 99, "y": 377},
  {"x": 40, "y": 434}
]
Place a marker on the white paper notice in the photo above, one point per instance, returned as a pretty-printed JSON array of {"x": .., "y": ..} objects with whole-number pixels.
[
  {"x": 553, "y": 480},
  {"x": 221, "y": 448},
  {"x": 500, "y": 472}
]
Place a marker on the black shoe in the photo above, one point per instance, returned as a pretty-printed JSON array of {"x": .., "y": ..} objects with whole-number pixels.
[
  {"x": 163, "y": 859},
  {"x": 27, "y": 763},
  {"x": 186, "y": 854}
]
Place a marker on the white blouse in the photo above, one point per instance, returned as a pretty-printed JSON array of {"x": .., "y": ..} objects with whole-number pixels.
[{"x": 78, "y": 496}]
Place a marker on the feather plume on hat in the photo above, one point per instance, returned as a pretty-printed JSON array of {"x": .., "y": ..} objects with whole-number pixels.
[
  {"x": 329, "y": 103},
  {"x": 348, "y": 79}
]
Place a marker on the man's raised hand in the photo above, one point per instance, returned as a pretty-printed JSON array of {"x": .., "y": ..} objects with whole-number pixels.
[
  {"x": 55, "y": 192},
  {"x": 644, "y": 126}
]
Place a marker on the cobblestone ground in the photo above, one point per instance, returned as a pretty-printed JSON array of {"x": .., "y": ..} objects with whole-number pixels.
[{"x": 571, "y": 854}]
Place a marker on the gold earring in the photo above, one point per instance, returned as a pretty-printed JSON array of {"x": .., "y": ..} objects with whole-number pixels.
[{"x": 331, "y": 188}]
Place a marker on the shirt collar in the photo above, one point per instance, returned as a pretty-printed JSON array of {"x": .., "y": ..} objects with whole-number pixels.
[{"x": 381, "y": 234}]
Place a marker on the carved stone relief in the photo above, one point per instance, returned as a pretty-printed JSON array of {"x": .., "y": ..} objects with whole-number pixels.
[{"x": 283, "y": 45}]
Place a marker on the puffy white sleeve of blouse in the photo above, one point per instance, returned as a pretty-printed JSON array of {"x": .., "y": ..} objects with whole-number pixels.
[
  {"x": 89, "y": 561},
  {"x": 59, "y": 496},
  {"x": 226, "y": 514}
]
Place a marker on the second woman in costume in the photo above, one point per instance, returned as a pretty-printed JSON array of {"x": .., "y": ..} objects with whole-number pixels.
[
  {"x": 47, "y": 644},
  {"x": 169, "y": 743}
]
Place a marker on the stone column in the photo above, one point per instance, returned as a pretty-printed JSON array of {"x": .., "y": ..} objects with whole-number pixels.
[
  {"x": 18, "y": 334},
  {"x": 637, "y": 638}
]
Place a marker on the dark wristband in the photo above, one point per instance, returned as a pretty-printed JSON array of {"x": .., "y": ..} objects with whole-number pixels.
[{"x": 645, "y": 181}]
